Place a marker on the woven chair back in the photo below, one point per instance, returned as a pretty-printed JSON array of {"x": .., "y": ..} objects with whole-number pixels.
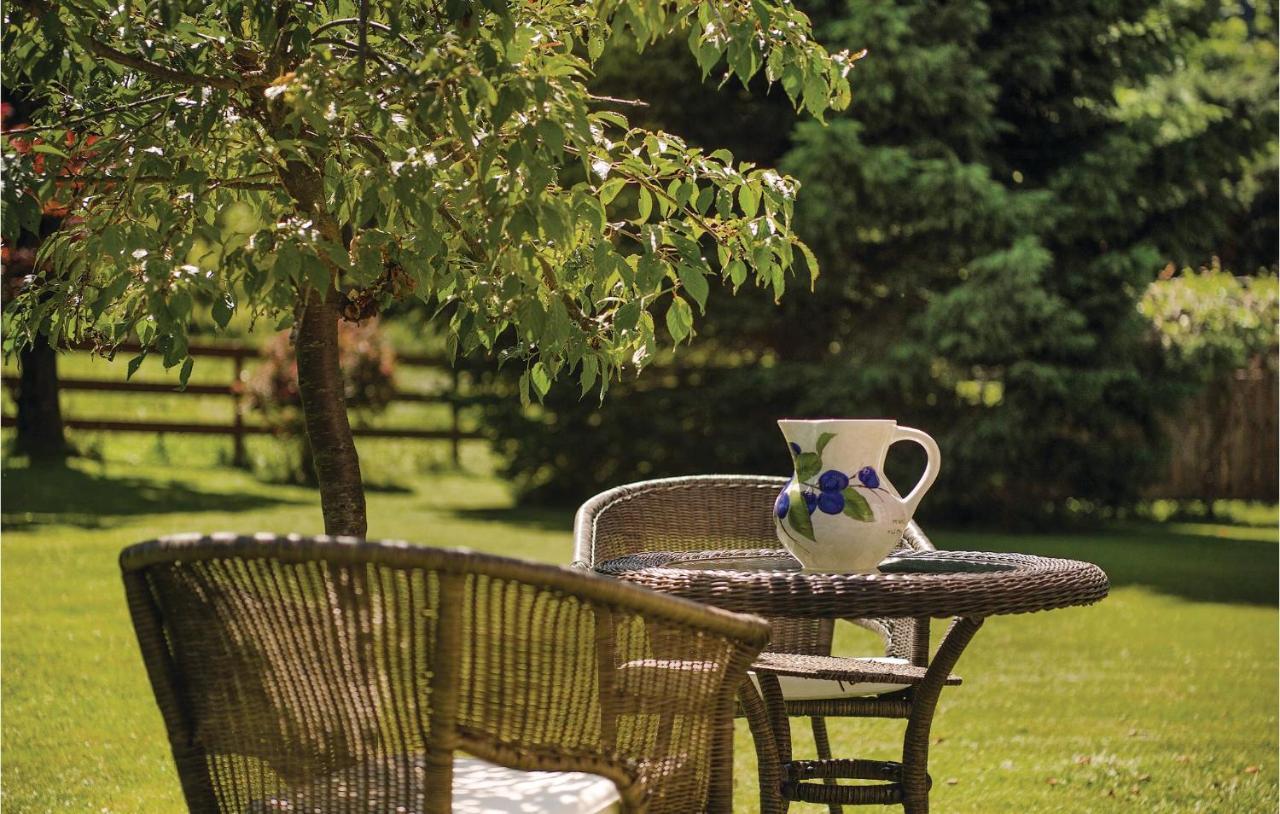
[
  {"x": 699, "y": 513},
  {"x": 335, "y": 676}
]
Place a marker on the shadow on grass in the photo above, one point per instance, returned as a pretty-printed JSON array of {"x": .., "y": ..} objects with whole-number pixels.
[
  {"x": 53, "y": 494},
  {"x": 540, "y": 519},
  {"x": 1221, "y": 567}
]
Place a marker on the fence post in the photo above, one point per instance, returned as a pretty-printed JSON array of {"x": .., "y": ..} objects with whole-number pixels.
[
  {"x": 455, "y": 432},
  {"x": 239, "y": 457}
]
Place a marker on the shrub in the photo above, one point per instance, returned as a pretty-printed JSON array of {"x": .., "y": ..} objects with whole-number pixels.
[{"x": 368, "y": 372}]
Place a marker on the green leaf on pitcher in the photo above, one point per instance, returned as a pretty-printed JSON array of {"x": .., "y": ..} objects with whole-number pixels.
[
  {"x": 823, "y": 440},
  {"x": 856, "y": 506},
  {"x": 798, "y": 514},
  {"x": 808, "y": 464}
]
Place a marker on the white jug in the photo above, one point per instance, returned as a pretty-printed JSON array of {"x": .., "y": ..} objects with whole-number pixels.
[{"x": 839, "y": 513}]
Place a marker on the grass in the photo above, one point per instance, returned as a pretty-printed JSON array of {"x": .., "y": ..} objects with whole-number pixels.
[{"x": 1161, "y": 698}]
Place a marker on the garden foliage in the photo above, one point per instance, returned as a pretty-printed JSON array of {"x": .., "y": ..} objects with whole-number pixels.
[{"x": 988, "y": 214}]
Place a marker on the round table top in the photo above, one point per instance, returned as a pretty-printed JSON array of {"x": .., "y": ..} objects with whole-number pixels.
[{"x": 770, "y": 582}]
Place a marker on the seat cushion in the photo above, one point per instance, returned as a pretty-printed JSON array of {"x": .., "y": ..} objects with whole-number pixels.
[
  {"x": 479, "y": 787},
  {"x": 805, "y": 688}
]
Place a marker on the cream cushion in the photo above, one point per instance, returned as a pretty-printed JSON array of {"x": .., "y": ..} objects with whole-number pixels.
[
  {"x": 479, "y": 787},
  {"x": 801, "y": 688}
]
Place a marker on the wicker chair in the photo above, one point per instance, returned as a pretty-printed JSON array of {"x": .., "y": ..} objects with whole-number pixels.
[
  {"x": 734, "y": 512},
  {"x": 329, "y": 675}
]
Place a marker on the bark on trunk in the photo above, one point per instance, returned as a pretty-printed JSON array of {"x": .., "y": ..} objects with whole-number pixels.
[
  {"x": 39, "y": 422},
  {"x": 324, "y": 409},
  {"x": 324, "y": 404}
]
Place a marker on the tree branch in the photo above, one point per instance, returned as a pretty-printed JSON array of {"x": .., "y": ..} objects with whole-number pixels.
[
  {"x": 376, "y": 26},
  {"x": 158, "y": 71},
  {"x": 279, "y": 54},
  {"x": 255, "y": 181},
  {"x": 613, "y": 100},
  {"x": 351, "y": 46},
  {"x": 67, "y": 125},
  {"x": 588, "y": 325}
]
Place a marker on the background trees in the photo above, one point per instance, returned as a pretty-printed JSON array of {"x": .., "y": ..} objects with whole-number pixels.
[
  {"x": 301, "y": 163},
  {"x": 1005, "y": 185}
]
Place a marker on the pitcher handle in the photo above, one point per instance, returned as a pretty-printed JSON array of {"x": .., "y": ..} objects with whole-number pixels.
[{"x": 934, "y": 461}]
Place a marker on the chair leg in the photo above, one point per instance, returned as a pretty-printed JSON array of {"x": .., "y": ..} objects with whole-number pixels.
[
  {"x": 823, "y": 743},
  {"x": 720, "y": 789},
  {"x": 768, "y": 762},
  {"x": 915, "y": 744}
]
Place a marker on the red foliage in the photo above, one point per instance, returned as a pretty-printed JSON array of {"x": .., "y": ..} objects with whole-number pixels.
[{"x": 368, "y": 373}]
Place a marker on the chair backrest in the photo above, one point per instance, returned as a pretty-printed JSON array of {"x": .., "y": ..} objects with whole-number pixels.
[
  {"x": 710, "y": 512},
  {"x": 342, "y": 676},
  {"x": 695, "y": 513}
]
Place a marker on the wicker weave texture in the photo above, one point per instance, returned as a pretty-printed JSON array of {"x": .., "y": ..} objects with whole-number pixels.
[
  {"x": 715, "y": 512},
  {"x": 324, "y": 675},
  {"x": 1016, "y": 583}
]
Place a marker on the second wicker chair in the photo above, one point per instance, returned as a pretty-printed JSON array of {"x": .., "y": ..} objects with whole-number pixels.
[{"x": 734, "y": 512}]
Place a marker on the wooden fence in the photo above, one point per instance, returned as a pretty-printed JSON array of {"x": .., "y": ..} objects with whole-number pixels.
[
  {"x": 1224, "y": 444},
  {"x": 239, "y": 428}
]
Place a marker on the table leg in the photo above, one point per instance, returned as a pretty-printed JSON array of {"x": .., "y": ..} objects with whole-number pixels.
[
  {"x": 823, "y": 744},
  {"x": 915, "y": 744}
]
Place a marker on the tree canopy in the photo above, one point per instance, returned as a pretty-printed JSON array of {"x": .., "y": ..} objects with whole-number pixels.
[{"x": 300, "y": 161}]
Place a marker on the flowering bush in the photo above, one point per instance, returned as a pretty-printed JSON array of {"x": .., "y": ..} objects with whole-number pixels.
[{"x": 368, "y": 372}]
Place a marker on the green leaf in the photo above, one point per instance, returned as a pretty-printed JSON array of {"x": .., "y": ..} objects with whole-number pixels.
[
  {"x": 705, "y": 196},
  {"x": 524, "y": 389},
  {"x": 707, "y": 55},
  {"x": 594, "y": 213},
  {"x": 627, "y": 317},
  {"x": 749, "y": 200},
  {"x": 48, "y": 149},
  {"x": 595, "y": 46},
  {"x": 679, "y": 319},
  {"x": 808, "y": 464},
  {"x": 610, "y": 189},
  {"x": 134, "y": 364},
  {"x": 315, "y": 272},
  {"x": 737, "y": 271},
  {"x": 587, "y": 378},
  {"x": 645, "y": 205},
  {"x": 650, "y": 272},
  {"x": 798, "y": 513},
  {"x": 540, "y": 378},
  {"x": 185, "y": 373},
  {"x": 288, "y": 263},
  {"x": 695, "y": 283},
  {"x": 823, "y": 440},
  {"x": 817, "y": 95},
  {"x": 810, "y": 261},
  {"x": 552, "y": 136},
  {"x": 223, "y": 307},
  {"x": 856, "y": 506}
]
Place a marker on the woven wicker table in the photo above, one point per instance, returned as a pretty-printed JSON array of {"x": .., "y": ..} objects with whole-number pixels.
[{"x": 963, "y": 585}]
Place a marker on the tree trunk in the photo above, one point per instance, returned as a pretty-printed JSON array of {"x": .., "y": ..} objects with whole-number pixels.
[
  {"x": 39, "y": 422},
  {"x": 324, "y": 409}
]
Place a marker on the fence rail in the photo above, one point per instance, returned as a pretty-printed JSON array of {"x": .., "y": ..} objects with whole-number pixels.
[{"x": 238, "y": 428}]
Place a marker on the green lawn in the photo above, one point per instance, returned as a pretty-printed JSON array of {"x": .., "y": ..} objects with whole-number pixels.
[{"x": 1162, "y": 698}]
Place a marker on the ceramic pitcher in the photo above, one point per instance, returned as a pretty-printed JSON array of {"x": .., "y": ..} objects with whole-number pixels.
[{"x": 839, "y": 512}]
